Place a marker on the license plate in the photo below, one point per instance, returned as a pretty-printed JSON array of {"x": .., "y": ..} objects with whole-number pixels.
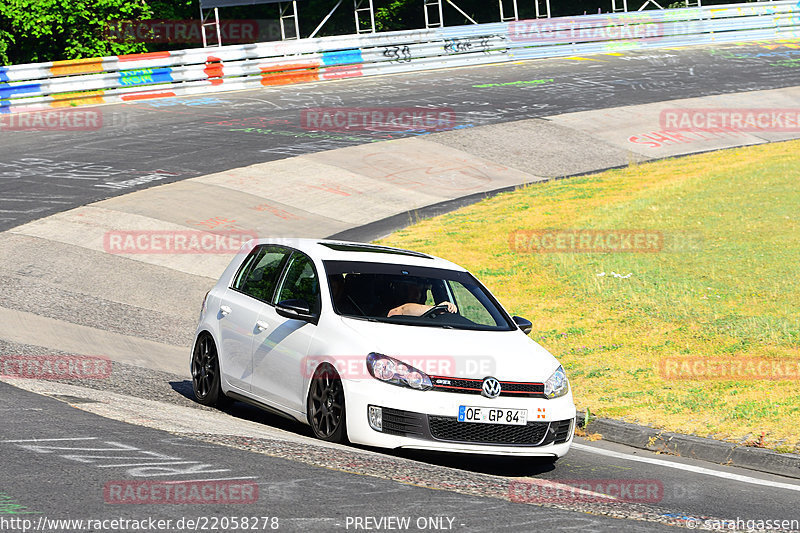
[{"x": 492, "y": 415}]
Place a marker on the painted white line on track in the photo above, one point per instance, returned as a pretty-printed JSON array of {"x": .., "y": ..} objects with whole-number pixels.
[
  {"x": 39, "y": 448},
  {"x": 689, "y": 468},
  {"x": 46, "y": 440},
  {"x": 144, "y": 464},
  {"x": 177, "y": 482}
]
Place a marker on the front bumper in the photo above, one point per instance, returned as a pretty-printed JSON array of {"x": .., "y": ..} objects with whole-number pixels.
[{"x": 428, "y": 421}]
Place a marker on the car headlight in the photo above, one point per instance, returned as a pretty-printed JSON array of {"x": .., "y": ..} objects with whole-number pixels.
[
  {"x": 390, "y": 370},
  {"x": 556, "y": 385}
]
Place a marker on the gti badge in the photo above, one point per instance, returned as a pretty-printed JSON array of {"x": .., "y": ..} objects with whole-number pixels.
[{"x": 491, "y": 388}]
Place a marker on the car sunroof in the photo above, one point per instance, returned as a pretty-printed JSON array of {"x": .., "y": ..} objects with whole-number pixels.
[{"x": 371, "y": 248}]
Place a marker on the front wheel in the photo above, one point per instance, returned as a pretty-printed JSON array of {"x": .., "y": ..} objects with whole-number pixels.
[
  {"x": 325, "y": 406},
  {"x": 205, "y": 373}
]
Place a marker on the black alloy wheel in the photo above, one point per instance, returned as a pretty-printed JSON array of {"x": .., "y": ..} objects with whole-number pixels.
[
  {"x": 326, "y": 412},
  {"x": 205, "y": 373}
]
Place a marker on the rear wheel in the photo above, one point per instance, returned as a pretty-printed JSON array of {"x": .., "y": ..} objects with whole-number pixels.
[
  {"x": 325, "y": 406},
  {"x": 205, "y": 373}
]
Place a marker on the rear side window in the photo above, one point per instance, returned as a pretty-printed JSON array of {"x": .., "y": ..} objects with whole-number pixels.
[
  {"x": 301, "y": 282},
  {"x": 259, "y": 274}
]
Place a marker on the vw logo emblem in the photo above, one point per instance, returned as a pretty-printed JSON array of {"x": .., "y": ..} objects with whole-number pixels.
[{"x": 491, "y": 388}]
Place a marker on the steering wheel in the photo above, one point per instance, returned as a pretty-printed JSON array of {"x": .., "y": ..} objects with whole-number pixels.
[{"x": 435, "y": 310}]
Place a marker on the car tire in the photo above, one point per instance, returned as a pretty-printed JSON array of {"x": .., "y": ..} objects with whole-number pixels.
[
  {"x": 325, "y": 407},
  {"x": 205, "y": 373}
]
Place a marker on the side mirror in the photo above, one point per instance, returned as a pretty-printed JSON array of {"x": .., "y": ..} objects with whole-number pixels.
[
  {"x": 523, "y": 323},
  {"x": 296, "y": 310}
]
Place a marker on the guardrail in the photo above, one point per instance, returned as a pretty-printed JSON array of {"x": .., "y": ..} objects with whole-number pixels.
[{"x": 204, "y": 70}]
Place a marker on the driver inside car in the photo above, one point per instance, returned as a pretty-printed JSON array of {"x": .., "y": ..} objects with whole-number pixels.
[{"x": 415, "y": 295}]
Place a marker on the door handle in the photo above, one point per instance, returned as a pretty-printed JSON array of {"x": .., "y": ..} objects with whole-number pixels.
[
  {"x": 224, "y": 310},
  {"x": 261, "y": 326}
]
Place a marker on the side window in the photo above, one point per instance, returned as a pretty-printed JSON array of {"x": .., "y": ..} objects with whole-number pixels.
[
  {"x": 259, "y": 278},
  {"x": 301, "y": 282}
]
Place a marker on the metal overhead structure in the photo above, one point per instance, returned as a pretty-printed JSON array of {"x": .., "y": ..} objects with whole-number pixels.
[
  {"x": 658, "y": 6},
  {"x": 363, "y": 12},
  {"x": 438, "y": 20},
  {"x": 204, "y": 24},
  {"x": 283, "y": 9},
  {"x": 542, "y": 8},
  {"x": 207, "y": 7},
  {"x": 361, "y": 8},
  {"x": 615, "y": 8},
  {"x": 503, "y": 16},
  {"x": 434, "y": 17}
]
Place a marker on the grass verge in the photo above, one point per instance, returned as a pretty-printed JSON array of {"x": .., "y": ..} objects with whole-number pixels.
[{"x": 723, "y": 285}]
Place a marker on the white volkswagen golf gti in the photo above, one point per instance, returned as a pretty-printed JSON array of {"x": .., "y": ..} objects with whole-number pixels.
[{"x": 379, "y": 346}]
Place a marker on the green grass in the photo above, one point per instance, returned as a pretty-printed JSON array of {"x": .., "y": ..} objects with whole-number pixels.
[{"x": 725, "y": 284}]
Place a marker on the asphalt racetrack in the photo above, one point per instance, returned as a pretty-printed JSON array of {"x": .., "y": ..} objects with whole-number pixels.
[{"x": 165, "y": 140}]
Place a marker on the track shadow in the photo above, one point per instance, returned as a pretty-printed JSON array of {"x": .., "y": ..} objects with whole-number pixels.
[
  {"x": 485, "y": 464},
  {"x": 246, "y": 411},
  {"x": 184, "y": 388}
]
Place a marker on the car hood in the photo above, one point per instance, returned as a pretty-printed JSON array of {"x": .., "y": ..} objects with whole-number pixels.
[{"x": 506, "y": 355}]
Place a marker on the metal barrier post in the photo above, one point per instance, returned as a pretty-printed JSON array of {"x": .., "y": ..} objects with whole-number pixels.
[{"x": 615, "y": 9}]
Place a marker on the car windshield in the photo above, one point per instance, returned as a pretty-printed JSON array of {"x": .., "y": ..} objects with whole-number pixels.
[{"x": 413, "y": 295}]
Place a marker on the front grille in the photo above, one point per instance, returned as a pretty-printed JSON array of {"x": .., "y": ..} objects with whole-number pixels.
[
  {"x": 450, "y": 429},
  {"x": 522, "y": 389},
  {"x": 474, "y": 386},
  {"x": 463, "y": 386},
  {"x": 403, "y": 423}
]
